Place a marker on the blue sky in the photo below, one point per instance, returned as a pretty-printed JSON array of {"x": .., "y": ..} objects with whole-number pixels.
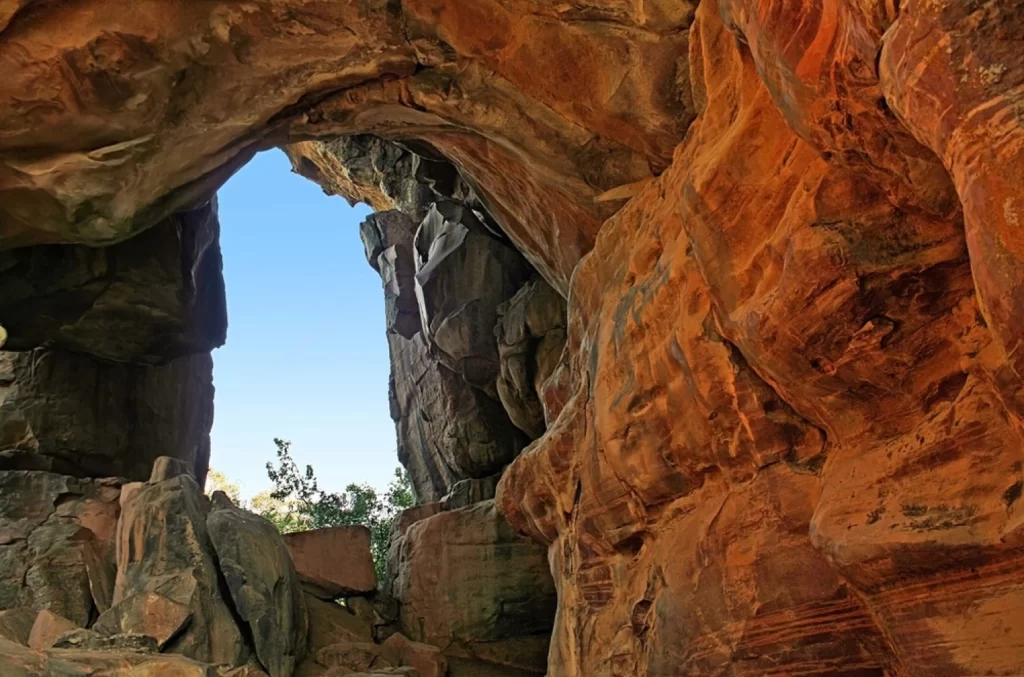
[{"x": 306, "y": 357}]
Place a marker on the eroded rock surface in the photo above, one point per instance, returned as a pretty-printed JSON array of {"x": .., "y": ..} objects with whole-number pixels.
[
  {"x": 165, "y": 559},
  {"x": 74, "y": 414},
  {"x": 531, "y": 338},
  {"x": 779, "y": 379},
  {"x": 333, "y": 562},
  {"x": 445, "y": 270},
  {"x": 784, "y": 435},
  {"x": 264, "y": 587},
  {"x": 469, "y": 584},
  {"x": 151, "y": 299},
  {"x": 57, "y": 543}
]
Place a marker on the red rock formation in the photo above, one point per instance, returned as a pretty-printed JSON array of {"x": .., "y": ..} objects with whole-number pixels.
[
  {"x": 785, "y": 435},
  {"x": 333, "y": 562},
  {"x": 785, "y": 445}
]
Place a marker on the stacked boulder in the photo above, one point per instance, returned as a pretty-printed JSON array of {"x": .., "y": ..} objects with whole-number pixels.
[
  {"x": 108, "y": 577},
  {"x": 474, "y": 333}
]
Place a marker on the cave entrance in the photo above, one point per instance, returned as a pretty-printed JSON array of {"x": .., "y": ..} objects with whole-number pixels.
[
  {"x": 109, "y": 367},
  {"x": 470, "y": 334},
  {"x": 305, "y": 359}
]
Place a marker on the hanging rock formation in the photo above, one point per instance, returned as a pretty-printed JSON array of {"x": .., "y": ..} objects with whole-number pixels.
[
  {"x": 784, "y": 434},
  {"x": 115, "y": 370},
  {"x": 445, "y": 276}
]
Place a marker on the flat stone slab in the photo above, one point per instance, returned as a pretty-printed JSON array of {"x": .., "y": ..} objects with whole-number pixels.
[{"x": 334, "y": 562}]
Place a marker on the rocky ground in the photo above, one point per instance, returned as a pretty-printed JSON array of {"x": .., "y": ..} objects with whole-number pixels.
[{"x": 113, "y": 578}]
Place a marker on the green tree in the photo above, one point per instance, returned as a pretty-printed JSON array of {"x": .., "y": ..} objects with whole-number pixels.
[
  {"x": 297, "y": 503},
  {"x": 218, "y": 481}
]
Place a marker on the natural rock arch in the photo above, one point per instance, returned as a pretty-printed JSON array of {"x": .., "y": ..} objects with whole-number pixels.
[{"x": 786, "y": 433}]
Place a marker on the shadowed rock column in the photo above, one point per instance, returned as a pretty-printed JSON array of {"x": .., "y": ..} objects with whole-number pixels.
[
  {"x": 108, "y": 363},
  {"x": 77, "y": 415},
  {"x": 448, "y": 430}
]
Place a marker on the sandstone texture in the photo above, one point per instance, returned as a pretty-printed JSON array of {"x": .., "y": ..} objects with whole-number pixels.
[
  {"x": 57, "y": 544},
  {"x": 531, "y": 338},
  {"x": 19, "y": 661},
  {"x": 264, "y": 587},
  {"x": 168, "y": 576},
  {"x": 725, "y": 296},
  {"x": 333, "y": 562},
  {"x": 74, "y": 414},
  {"x": 429, "y": 661},
  {"x": 151, "y": 299},
  {"x": 469, "y": 584},
  {"x": 446, "y": 270},
  {"x": 107, "y": 578}
]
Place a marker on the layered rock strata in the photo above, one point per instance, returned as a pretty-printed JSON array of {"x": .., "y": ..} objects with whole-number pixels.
[
  {"x": 447, "y": 272},
  {"x": 72, "y": 413},
  {"x": 106, "y": 363},
  {"x": 784, "y": 436},
  {"x": 467, "y": 583}
]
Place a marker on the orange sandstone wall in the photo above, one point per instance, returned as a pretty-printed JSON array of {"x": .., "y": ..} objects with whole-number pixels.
[
  {"x": 789, "y": 442},
  {"x": 784, "y": 437}
]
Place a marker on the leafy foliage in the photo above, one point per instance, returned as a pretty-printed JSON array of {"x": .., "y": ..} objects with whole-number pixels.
[
  {"x": 218, "y": 481},
  {"x": 298, "y": 503}
]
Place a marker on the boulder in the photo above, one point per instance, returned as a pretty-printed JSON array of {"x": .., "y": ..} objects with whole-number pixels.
[
  {"x": 330, "y": 623},
  {"x": 429, "y": 661},
  {"x": 531, "y": 336},
  {"x": 335, "y": 561},
  {"x": 47, "y": 627},
  {"x": 57, "y": 543},
  {"x": 166, "y": 467},
  {"x": 20, "y": 661},
  {"x": 243, "y": 671},
  {"x": 16, "y": 624},
  {"x": 145, "y": 613},
  {"x": 468, "y": 583},
  {"x": 357, "y": 656},
  {"x": 90, "y": 640},
  {"x": 406, "y": 518},
  {"x": 467, "y": 492},
  {"x": 379, "y": 611},
  {"x": 263, "y": 584},
  {"x": 167, "y": 575}
]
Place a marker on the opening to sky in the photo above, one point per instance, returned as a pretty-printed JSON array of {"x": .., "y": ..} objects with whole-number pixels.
[{"x": 306, "y": 357}]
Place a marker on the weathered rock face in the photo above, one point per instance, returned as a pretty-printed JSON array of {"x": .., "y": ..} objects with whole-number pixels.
[
  {"x": 445, "y": 277},
  {"x": 19, "y": 661},
  {"x": 149, "y": 300},
  {"x": 263, "y": 584},
  {"x": 785, "y": 433},
  {"x": 579, "y": 101},
  {"x": 98, "y": 572},
  {"x": 531, "y": 338},
  {"x": 469, "y": 584},
  {"x": 786, "y": 445},
  {"x": 57, "y": 537},
  {"x": 74, "y": 414},
  {"x": 167, "y": 573},
  {"x": 333, "y": 562}
]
